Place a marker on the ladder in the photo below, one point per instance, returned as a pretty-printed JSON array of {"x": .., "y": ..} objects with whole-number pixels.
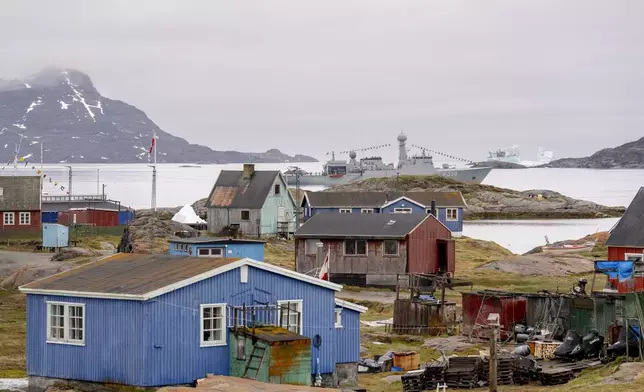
[{"x": 257, "y": 353}]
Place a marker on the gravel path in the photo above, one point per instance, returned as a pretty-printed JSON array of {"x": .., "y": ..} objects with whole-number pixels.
[{"x": 12, "y": 261}]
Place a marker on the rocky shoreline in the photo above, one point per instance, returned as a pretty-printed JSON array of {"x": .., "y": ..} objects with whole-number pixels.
[{"x": 490, "y": 202}]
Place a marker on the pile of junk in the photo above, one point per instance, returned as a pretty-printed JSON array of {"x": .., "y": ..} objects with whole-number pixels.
[{"x": 573, "y": 347}]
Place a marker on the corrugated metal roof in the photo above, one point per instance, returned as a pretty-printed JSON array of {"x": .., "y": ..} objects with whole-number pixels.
[
  {"x": 127, "y": 273},
  {"x": 360, "y": 225},
  {"x": 19, "y": 193},
  {"x": 233, "y": 191},
  {"x": 271, "y": 334},
  {"x": 630, "y": 228},
  {"x": 213, "y": 240},
  {"x": 377, "y": 199}
]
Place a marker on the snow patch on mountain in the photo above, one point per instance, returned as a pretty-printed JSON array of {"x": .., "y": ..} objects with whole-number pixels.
[{"x": 63, "y": 105}]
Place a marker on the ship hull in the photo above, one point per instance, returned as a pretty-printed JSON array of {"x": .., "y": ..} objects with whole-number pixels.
[{"x": 469, "y": 175}]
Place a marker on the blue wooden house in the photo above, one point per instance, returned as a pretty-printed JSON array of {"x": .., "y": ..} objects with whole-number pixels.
[
  {"x": 217, "y": 247},
  {"x": 449, "y": 205},
  {"x": 154, "y": 320},
  {"x": 253, "y": 202}
]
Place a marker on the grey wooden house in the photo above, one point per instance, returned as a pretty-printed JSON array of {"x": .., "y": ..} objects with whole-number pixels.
[{"x": 250, "y": 202}]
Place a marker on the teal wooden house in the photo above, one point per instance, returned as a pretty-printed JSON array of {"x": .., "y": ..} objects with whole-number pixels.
[{"x": 251, "y": 202}]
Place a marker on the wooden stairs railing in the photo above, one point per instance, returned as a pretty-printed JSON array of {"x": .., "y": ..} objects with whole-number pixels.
[{"x": 257, "y": 355}]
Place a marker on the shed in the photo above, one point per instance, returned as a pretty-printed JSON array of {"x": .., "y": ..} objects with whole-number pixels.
[
  {"x": 413, "y": 316},
  {"x": 477, "y": 306},
  {"x": 270, "y": 354},
  {"x": 372, "y": 249},
  {"x": 55, "y": 236},
  {"x": 217, "y": 247}
]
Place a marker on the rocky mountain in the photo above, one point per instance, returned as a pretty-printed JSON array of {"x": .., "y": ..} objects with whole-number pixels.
[
  {"x": 63, "y": 110},
  {"x": 626, "y": 156}
]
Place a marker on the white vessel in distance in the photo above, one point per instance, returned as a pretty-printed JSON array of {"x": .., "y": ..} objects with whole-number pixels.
[
  {"x": 513, "y": 155},
  {"x": 338, "y": 172}
]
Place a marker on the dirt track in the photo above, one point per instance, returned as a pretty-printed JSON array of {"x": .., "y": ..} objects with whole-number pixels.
[{"x": 12, "y": 261}]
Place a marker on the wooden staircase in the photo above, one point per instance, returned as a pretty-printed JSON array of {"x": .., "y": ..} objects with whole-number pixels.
[{"x": 255, "y": 361}]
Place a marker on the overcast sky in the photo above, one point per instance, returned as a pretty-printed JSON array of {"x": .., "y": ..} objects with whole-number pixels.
[{"x": 310, "y": 76}]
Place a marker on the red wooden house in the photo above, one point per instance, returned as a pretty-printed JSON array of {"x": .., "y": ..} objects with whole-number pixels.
[
  {"x": 19, "y": 205},
  {"x": 626, "y": 242},
  {"x": 372, "y": 249}
]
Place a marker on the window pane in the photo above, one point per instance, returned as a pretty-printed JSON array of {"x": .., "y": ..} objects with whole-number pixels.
[
  {"x": 217, "y": 334},
  {"x": 361, "y": 247},
  {"x": 391, "y": 247},
  {"x": 217, "y": 323},
  {"x": 207, "y": 336},
  {"x": 206, "y": 312},
  {"x": 350, "y": 247},
  {"x": 203, "y": 252},
  {"x": 207, "y": 324}
]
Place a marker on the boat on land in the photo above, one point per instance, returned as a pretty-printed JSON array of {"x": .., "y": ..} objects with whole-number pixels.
[{"x": 339, "y": 172}]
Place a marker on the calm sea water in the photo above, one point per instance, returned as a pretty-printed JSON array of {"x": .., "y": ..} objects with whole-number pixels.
[{"x": 183, "y": 185}]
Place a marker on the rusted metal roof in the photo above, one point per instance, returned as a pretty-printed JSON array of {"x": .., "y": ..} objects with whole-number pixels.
[
  {"x": 130, "y": 274},
  {"x": 271, "y": 334},
  {"x": 232, "y": 190}
]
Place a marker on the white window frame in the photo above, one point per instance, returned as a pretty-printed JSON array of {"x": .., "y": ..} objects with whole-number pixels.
[
  {"x": 338, "y": 318},
  {"x": 344, "y": 210},
  {"x": 366, "y": 248},
  {"x": 403, "y": 210},
  {"x": 640, "y": 255},
  {"x": 300, "y": 308},
  {"x": 9, "y": 222},
  {"x": 308, "y": 251},
  {"x": 210, "y": 252},
  {"x": 447, "y": 217},
  {"x": 366, "y": 210},
  {"x": 66, "y": 324},
  {"x": 397, "y": 249},
  {"x": 22, "y": 215},
  {"x": 224, "y": 328}
]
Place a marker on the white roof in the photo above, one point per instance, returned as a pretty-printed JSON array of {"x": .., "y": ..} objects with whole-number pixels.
[
  {"x": 187, "y": 215},
  {"x": 350, "y": 305}
]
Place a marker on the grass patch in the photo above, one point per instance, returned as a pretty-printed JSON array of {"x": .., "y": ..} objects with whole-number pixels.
[
  {"x": 280, "y": 253},
  {"x": 94, "y": 242},
  {"x": 13, "y": 324}
]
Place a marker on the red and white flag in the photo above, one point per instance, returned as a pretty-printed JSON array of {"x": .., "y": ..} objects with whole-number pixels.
[
  {"x": 153, "y": 143},
  {"x": 324, "y": 270}
]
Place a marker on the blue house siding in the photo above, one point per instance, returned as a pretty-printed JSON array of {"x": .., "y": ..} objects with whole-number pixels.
[
  {"x": 455, "y": 226},
  {"x": 415, "y": 208},
  {"x": 348, "y": 337},
  {"x": 173, "y": 352},
  {"x": 253, "y": 251},
  {"x": 113, "y": 350}
]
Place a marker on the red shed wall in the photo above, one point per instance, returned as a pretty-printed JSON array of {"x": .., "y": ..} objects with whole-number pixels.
[
  {"x": 101, "y": 218},
  {"x": 618, "y": 253},
  {"x": 422, "y": 248},
  {"x": 512, "y": 310}
]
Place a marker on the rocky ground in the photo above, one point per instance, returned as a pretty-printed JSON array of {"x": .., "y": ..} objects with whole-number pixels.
[
  {"x": 490, "y": 202},
  {"x": 543, "y": 264},
  {"x": 626, "y": 156}
]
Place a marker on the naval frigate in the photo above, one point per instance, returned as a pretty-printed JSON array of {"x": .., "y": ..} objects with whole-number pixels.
[{"x": 339, "y": 172}]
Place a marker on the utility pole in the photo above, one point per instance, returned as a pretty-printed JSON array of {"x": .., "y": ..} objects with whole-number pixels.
[
  {"x": 69, "y": 187},
  {"x": 493, "y": 324},
  {"x": 297, "y": 172},
  {"x": 104, "y": 191},
  {"x": 98, "y": 176}
]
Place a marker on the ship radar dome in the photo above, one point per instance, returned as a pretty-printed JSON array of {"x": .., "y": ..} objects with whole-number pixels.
[
  {"x": 402, "y": 137},
  {"x": 352, "y": 155}
]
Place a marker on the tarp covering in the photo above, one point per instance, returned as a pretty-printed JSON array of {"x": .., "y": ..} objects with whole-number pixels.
[
  {"x": 187, "y": 216},
  {"x": 623, "y": 270}
]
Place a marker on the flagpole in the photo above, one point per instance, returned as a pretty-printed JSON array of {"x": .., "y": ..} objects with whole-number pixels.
[{"x": 154, "y": 173}]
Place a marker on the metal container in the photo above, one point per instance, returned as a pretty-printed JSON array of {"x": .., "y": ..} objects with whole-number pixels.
[{"x": 55, "y": 235}]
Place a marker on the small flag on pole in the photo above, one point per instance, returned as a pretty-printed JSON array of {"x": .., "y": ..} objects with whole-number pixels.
[
  {"x": 324, "y": 270},
  {"x": 152, "y": 145}
]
